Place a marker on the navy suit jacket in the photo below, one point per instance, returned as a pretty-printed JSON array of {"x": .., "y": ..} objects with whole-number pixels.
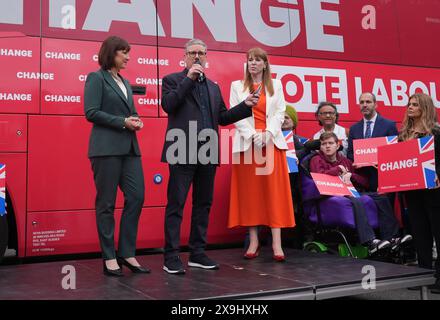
[
  {"x": 181, "y": 102},
  {"x": 382, "y": 128}
]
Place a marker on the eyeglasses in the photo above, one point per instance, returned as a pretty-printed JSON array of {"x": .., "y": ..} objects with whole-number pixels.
[
  {"x": 192, "y": 54},
  {"x": 330, "y": 114}
]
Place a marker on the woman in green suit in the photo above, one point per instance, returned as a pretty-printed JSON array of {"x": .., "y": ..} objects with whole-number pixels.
[{"x": 115, "y": 156}]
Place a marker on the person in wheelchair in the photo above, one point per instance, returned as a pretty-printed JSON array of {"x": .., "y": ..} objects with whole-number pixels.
[{"x": 330, "y": 161}]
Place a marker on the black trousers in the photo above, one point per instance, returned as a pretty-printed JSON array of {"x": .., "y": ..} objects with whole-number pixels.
[
  {"x": 181, "y": 177},
  {"x": 388, "y": 225},
  {"x": 109, "y": 173},
  {"x": 424, "y": 215}
]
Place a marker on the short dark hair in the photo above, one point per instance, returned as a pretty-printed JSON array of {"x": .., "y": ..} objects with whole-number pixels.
[
  {"x": 323, "y": 104},
  {"x": 107, "y": 53},
  {"x": 328, "y": 135}
]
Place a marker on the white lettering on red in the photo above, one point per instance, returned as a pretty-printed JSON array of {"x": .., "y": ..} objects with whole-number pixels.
[
  {"x": 16, "y": 52},
  {"x": 15, "y": 96},
  {"x": 62, "y": 98},
  {"x": 399, "y": 165}
]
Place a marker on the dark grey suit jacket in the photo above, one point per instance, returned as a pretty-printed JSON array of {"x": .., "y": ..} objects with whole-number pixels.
[
  {"x": 106, "y": 107},
  {"x": 180, "y": 101}
]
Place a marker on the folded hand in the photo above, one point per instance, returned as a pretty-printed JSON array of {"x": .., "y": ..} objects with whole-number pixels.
[{"x": 134, "y": 123}]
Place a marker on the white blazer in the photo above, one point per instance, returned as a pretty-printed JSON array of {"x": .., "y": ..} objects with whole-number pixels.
[{"x": 275, "y": 108}]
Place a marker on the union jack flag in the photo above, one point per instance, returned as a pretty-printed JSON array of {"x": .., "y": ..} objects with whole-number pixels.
[
  {"x": 292, "y": 160},
  {"x": 303, "y": 140},
  {"x": 353, "y": 192},
  {"x": 2, "y": 189},
  {"x": 426, "y": 144},
  {"x": 351, "y": 189},
  {"x": 391, "y": 139}
]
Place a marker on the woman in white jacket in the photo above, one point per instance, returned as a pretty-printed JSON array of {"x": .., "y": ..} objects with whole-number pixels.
[{"x": 260, "y": 187}]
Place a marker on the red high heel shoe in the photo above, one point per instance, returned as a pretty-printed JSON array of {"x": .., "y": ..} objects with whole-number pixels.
[
  {"x": 279, "y": 258},
  {"x": 252, "y": 255}
]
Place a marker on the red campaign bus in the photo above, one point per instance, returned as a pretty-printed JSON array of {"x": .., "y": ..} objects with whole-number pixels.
[{"x": 320, "y": 49}]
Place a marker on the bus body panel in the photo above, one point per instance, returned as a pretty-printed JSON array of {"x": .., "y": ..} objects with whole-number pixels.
[{"x": 319, "y": 49}]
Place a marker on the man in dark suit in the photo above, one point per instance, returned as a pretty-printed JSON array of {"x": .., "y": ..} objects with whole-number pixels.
[
  {"x": 195, "y": 109},
  {"x": 371, "y": 126}
]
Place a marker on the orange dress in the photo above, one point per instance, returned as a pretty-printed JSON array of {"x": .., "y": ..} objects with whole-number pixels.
[{"x": 260, "y": 199}]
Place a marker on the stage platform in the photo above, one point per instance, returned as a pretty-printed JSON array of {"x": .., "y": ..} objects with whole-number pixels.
[{"x": 307, "y": 276}]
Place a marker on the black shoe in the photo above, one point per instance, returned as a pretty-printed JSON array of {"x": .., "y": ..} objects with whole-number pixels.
[
  {"x": 377, "y": 245},
  {"x": 111, "y": 273},
  {"x": 173, "y": 265},
  {"x": 202, "y": 261},
  {"x": 397, "y": 243},
  {"x": 134, "y": 269}
]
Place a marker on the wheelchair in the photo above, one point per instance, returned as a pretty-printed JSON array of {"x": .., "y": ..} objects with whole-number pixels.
[{"x": 331, "y": 223}]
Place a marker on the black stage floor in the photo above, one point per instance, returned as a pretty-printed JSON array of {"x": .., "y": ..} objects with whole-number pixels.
[{"x": 303, "y": 276}]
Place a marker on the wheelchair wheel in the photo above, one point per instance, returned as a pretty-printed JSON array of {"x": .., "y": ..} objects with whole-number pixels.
[
  {"x": 359, "y": 251},
  {"x": 315, "y": 247}
]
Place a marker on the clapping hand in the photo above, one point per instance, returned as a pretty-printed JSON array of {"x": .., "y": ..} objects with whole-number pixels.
[
  {"x": 258, "y": 139},
  {"x": 261, "y": 139}
]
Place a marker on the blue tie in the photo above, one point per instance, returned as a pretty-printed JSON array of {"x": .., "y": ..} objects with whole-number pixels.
[{"x": 368, "y": 130}]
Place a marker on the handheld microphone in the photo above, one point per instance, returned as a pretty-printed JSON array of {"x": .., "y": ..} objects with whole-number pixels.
[
  {"x": 201, "y": 77},
  {"x": 257, "y": 92}
]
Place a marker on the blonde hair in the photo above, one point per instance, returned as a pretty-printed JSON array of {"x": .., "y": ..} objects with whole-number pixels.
[
  {"x": 267, "y": 75},
  {"x": 428, "y": 118}
]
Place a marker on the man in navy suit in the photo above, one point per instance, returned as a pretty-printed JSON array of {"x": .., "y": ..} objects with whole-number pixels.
[
  {"x": 193, "y": 103},
  {"x": 371, "y": 126}
]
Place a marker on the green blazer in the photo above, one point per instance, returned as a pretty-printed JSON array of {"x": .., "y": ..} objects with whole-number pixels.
[{"x": 106, "y": 107}]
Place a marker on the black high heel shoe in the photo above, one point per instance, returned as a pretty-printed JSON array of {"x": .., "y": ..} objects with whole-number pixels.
[
  {"x": 111, "y": 273},
  {"x": 134, "y": 269}
]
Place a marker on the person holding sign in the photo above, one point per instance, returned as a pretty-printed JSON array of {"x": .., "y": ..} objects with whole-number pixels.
[
  {"x": 260, "y": 197},
  {"x": 424, "y": 205},
  {"x": 329, "y": 161},
  {"x": 371, "y": 126}
]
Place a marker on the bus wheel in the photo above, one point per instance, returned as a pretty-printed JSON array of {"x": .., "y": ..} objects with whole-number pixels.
[{"x": 3, "y": 235}]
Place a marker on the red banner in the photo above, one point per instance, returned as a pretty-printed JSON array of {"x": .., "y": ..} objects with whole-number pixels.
[
  {"x": 407, "y": 165},
  {"x": 365, "y": 150},
  {"x": 68, "y": 62},
  {"x": 20, "y": 75},
  {"x": 20, "y": 17},
  {"x": 333, "y": 185},
  {"x": 330, "y": 29}
]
